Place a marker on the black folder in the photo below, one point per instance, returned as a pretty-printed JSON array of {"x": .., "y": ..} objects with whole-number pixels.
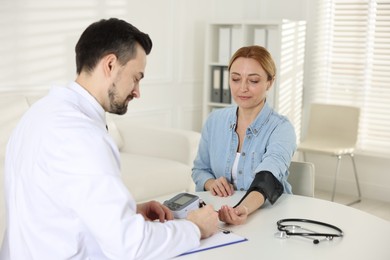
[
  {"x": 216, "y": 84},
  {"x": 226, "y": 95}
]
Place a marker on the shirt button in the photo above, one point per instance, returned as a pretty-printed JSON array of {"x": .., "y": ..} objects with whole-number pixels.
[
  {"x": 243, "y": 154},
  {"x": 239, "y": 172},
  {"x": 241, "y": 189}
]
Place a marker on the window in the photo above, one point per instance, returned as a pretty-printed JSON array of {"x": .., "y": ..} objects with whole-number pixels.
[
  {"x": 36, "y": 37},
  {"x": 351, "y": 65}
]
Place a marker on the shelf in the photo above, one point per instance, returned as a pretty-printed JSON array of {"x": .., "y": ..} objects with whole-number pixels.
[
  {"x": 284, "y": 39},
  {"x": 214, "y": 104}
]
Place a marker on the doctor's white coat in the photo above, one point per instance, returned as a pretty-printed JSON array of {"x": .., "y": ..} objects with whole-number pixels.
[{"x": 64, "y": 195}]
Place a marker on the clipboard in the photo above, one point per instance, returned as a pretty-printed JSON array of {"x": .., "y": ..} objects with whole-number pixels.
[{"x": 219, "y": 239}]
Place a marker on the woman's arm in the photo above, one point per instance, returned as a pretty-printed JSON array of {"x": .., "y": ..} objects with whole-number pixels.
[
  {"x": 266, "y": 184},
  {"x": 202, "y": 171},
  {"x": 239, "y": 214}
]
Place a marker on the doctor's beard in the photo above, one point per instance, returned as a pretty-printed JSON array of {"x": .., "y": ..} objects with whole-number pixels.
[{"x": 116, "y": 105}]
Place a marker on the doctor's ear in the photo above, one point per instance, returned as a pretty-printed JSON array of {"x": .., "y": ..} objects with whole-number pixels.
[{"x": 109, "y": 63}]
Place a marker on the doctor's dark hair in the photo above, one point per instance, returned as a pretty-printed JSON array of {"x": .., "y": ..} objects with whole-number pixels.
[
  {"x": 112, "y": 36},
  {"x": 259, "y": 54}
]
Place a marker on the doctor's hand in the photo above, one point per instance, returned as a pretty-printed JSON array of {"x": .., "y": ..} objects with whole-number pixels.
[
  {"x": 219, "y": 187},
  {"x": 234, "y": 216},
  {"x": 206, "y": 219},
  {"x": 153, "y": 210}
]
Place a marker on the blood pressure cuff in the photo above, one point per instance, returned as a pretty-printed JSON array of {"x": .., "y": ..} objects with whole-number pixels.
[{"x": 267, "y": 184}]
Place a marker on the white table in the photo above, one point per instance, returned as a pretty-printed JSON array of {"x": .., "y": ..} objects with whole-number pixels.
[{"x": 365, "y": 236}]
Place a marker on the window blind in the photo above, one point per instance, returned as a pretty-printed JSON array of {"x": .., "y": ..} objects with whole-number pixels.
[
  {"x": 290, "y": 91},
  {"x": 351, "y": 61},
  {"x": 38, "y": 37}
]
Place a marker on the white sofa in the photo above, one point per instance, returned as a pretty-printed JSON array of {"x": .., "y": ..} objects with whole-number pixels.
[{"x": 155, "y": 161}]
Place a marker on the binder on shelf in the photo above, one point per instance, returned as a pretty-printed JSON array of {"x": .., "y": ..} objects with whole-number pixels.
[
  {"x": 236, "y": 40},
  {"x": 224, "y": 45},
  {"x": 226, "y": 95},
  {"x": 273, "y": 40},
  {"x": 216, "y": 84},
  {"x": 260, "y": 37}
]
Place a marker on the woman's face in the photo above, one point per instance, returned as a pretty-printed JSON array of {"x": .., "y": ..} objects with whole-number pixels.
[{"x": 248, "y": 83}]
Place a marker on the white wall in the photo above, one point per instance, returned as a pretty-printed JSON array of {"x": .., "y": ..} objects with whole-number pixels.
[
  {"x": 37, "y": 49},
  {"x": 373, "y": 170},
  {"x": 37, "y": 42}
]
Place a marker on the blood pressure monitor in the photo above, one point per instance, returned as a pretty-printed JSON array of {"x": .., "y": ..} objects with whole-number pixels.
[{"x": 182, "y": 204}]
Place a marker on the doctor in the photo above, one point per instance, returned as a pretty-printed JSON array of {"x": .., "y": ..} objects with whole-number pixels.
[{"x": 64, "y": 195}]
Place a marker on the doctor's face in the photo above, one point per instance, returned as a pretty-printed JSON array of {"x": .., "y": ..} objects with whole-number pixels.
[{"x": 125, "y": 86}]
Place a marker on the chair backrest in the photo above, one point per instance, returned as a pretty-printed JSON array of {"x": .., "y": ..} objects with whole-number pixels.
[
  {"x": 334, "y": 123},
  {"x": 301, "y": 178}
]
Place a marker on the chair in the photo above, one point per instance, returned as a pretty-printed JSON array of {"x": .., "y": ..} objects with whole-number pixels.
[
  {"x": 333, "y": 130},
  {"x": 301, "y": 178}
]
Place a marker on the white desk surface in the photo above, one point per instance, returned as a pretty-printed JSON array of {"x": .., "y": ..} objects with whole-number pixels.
[{"x": 365, "y": 236}]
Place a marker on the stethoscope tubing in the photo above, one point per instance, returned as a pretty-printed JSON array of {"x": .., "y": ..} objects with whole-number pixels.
[{"x": 284, "y": 228}]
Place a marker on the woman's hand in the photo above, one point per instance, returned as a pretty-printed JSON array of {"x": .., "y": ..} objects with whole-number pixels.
[
  {"x": 219, "y": 187},
  {"x": 234, "y": 216},
  {"x": 153, "y": 210}
]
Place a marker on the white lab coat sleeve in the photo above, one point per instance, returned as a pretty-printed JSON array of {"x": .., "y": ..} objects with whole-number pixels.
[{"x": 87, "y": 180}]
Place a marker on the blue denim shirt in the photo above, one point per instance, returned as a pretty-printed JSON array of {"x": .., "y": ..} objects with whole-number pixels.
[{"x": 269, "y": 145}]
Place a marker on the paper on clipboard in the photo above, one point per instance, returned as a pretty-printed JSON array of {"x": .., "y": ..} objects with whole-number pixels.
[{"x": 217, "y": 240}]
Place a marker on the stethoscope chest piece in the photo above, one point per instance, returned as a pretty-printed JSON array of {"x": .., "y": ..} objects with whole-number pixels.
[{"x": 281, "y": 235}]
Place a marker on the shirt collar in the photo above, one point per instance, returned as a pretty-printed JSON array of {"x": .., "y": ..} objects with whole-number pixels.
[
  {"x": 255, "y": 127},
  {"x": 90, "y": 99}
]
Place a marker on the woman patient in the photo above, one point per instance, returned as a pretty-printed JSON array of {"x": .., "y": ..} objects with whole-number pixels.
[{"x": 247, "y": 146}]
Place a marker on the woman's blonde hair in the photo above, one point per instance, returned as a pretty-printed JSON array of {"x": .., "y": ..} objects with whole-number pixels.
[{"x": 261, "y": 55}]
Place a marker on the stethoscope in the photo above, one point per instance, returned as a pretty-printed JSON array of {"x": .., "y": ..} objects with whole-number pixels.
[{"x": 286, "y": 231}]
